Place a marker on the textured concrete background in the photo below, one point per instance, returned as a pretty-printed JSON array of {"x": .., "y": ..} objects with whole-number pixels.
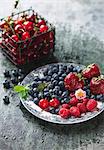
[{"x": 79, "y": 36}]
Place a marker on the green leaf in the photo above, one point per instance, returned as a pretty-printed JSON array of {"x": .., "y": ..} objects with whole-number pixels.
[
  {"x": 24, "y": 94},
  {"x": 41, "y": 86},
  {"x": 19, "y": 88}
]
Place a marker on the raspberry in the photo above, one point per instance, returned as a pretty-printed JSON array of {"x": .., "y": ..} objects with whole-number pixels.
[
  {"x": 73, "y": 101},
  {"x": 74, "y": 111},
  {"x": 91, "y": 105},
  {"x": 65, "y": 106},
  {"x": 54, "y": 102},
  {"x": 43, "y": 103},
  {"x": 82, "y": 107},
  {"x": 85, "y": 100},
  {"x": 72, "y": 94},
  {"x": 64, "y": 113}
]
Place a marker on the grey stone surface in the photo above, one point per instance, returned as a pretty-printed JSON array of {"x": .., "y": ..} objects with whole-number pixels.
[{"x": 79, "y": 37}]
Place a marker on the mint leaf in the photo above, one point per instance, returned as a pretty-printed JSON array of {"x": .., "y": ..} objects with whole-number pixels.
[
  {"x": 24, "y": 94},
  {"x": 19, "y": 88},
  {"x": 41, "y": 86}
]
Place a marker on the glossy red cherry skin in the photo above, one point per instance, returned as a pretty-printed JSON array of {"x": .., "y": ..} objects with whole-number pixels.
[
  {"x": 43, "y": 28},
  {"x": 25, "y": 35},
  {"x": 28, "y": 26}
]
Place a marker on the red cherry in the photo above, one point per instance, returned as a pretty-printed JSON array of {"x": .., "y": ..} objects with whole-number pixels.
[
  {"x": 64, "y": 113},
  {"x": 43, "y": 103},
  {"x": 54, "y": 102},
  {"x": 91, "y": 104},
  {"x": 74, "y": 111},
  {"x": 73, "y": 101},
  {"x": 82, "y": 107},
  {"x": 19, "y": 21},
  {"x": 65, "y": 106},
  {"x": 41, "y": 22},
  {"x": 28, "y": 26},
  {"x": 15, "y": 38},
  {"x": 18, "y": 28},
  {"x": 43, "y": 28},
  {"x": 25, "y": 35}
]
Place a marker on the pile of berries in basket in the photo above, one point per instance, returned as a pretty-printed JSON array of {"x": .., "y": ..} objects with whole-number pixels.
[
  {"x": 26, "y": 36},
  {"x": 69, "y": 90}
]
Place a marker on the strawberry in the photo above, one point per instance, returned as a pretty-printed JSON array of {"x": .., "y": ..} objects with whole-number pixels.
[
  {"x": 73, "y": 82},
  {"x": 65, "y": 106},
  {"x": 91, "y": 104},
  {"x": 82, "y": 107},
  {"x": 74, "y": 111},
  {"x": 54, "y": 102},
  {"x": 64, "y": 113},
  {"x": 91, "y": 71},
  {"x": 43, "y": 103},
  {"x": 73, "y": 101},
  {"x": 97, "y": 85}
]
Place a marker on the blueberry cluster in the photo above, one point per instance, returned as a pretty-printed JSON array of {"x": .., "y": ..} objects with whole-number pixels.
[
  {"x": 54, "y": 77},
  {"x": 13, "y": 77}
]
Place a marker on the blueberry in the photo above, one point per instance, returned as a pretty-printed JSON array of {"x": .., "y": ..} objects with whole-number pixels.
[
  {"x": 64, "y": 75},
  {"x": 15, "y": 81},
  {"x": 60, "y": 93},
  {"x": 57, "y": 110},
  {"x": 66, "y": 100},
  {"x": 61, "y": 84},
  {"x": 15, "y": 73},
  {"x": 70, "y": 68},
  {"x": 65, "y": 67},
  {"x": 36, "y": 78},
  {"x": 7, "y": 74},
  {"x": 34, "y": 85},
  {"x": 65, "y": 94},
  {"x": 45, "y": 72},
  {"x": 78, "y": 69},
  {"x": 20, "y": 78},
  {"x": 48, "y": 78},
  {"x": 52, "y": 110},
  {"x": 55, "y": 70},
  {"x": 6, "y": 84},
  {"x": 54, "y": 96},
  {"x": 50, "y": 73},
  {"x": 60, "y": 73},
  {"x": 93, "y": 96},
  {"x": 40, "y": 95},
  {"x": 74, "y": 69},
  {"x": 51, "y": 91},
  {"x": 55, "y": 91},
  {"x": 57, "y": 87},
  {"x": 46, "y": 90},
  {"x": 88, "y": 92},
  {"x": 31, "y": 93},
  {"x": 100, "y": 97},
  {"x": 55, "y": 76},
  {"x": 61, "y": 78},
  {"x": 55, "y": 82},
  {"x": 6, "y": 100},
  {"x": 50, "y": 86},
  {"x": 36, "y": 100}
]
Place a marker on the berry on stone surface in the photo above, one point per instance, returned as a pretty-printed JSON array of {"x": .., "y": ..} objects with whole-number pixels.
[
  {"x": 6, "y": 100},
  {"x": 6, "y": 84},
  {"x": 7, "y": 73}
]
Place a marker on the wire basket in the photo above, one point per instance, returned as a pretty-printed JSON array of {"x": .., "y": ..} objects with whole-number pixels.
[{"x": 36, "y": 47}]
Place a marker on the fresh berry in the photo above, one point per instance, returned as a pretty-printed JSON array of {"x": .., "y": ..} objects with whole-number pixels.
[
  {"x": 85, "y": 100},
  {"x": 6, "y": 84},
  {"x": 19, "y": 28},
  {"x": 91, "y": 104},
  {"x": 6, "y": 100},
  {"x": 73, "y": 101},
  {"x": 15, "y": 38},
  {"x": 41, "y": 22},
  {"x": 74, "y": 111},
  {"x": 91, "y": 71},
  {"x": 43, "y": 103},
  {"x": 82, "y": 107},
  {"x": 54, "y": 102},
  {"x": 64, "y": 113},
  {"x": 7, "y": 74},
  {"x": 65, "y": 106},
  {"x": 25, "y": 35},
  {"x": 73, "y": 82},
  {"x": 36, "y": 100},
  {"x": 28, "y": 26},
  {"x": 97, "y": 85},
  {"x": 43, "y": 28}
]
